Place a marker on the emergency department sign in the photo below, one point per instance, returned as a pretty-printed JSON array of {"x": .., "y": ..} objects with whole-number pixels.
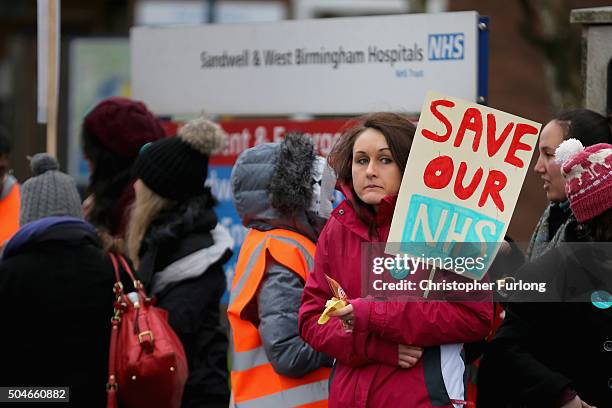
[
  {"x": 326, "y": 66},
  {"x": 462, "y": 180}
]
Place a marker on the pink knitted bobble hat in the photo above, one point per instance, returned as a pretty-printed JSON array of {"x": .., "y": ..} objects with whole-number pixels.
[{"x": 588, "y": 177}]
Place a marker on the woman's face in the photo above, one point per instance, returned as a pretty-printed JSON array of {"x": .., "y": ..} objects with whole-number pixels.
[
  {"x": 375, "y": 172},
  {"x": 546, "y": 167}
]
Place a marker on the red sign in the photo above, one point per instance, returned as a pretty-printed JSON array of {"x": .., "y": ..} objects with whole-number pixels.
[{"x": 243, "y": 134}]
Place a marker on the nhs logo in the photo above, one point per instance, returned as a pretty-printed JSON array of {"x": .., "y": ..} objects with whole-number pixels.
[{"x": 446, "y": 46}]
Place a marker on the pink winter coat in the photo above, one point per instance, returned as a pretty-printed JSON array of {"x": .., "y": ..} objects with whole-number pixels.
[{"x": 367, "y": 372}]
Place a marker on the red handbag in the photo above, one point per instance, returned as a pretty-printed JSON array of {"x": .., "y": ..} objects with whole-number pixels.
[{"x": 147, "y": 366}]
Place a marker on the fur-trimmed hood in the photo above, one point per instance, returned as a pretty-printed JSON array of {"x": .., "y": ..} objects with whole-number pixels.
[{"x": 273, "y": 186}]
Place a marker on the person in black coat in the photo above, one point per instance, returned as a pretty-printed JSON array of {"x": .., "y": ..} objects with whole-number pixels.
[
  {"x": 179, "y": 249},
  {"x": 56, "y": 293},
  {"x": 557, "y": 352}
]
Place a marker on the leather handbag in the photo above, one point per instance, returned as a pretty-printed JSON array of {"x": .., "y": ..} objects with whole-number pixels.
[{"x": 147, "y": 366}]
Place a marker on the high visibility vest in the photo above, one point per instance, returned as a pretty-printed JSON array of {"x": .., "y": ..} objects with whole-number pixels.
[
  {"x": 255, "y": 384},
  {"x": 9, "y": 214}
]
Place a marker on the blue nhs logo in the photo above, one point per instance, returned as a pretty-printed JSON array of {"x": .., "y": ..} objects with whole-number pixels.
[{"x": 446, "y": 46}]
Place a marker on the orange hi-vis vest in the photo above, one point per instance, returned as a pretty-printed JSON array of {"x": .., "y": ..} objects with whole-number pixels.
[
  {"x": 255, "y": 384},
  {"x": 9, "y": 214}
]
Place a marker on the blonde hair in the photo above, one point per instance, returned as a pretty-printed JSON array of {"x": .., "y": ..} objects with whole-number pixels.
[{"x": 146, "y": 207}]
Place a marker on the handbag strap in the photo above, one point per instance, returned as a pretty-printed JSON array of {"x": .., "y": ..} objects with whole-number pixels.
[
  {"x": 116, "y": 259},
  {"x": 111, "y": 385}
]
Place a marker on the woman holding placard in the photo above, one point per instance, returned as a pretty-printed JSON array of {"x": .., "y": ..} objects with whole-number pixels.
[{"x": 387, "y": 353}]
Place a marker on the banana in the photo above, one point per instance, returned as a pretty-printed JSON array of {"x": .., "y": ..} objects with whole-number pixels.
[{"x": 331, "y": 305}]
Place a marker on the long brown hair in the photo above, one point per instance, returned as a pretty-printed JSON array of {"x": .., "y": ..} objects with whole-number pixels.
[{"x": 398, "y": 132}]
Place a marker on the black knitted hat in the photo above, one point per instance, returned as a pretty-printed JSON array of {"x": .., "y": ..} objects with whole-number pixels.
[{"x": 177, "y": 167}]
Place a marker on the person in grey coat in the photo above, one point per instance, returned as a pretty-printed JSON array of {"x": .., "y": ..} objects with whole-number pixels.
[{"x": 283, "y": 186}]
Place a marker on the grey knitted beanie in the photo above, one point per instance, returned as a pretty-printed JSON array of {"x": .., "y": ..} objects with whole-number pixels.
[{"x": 49, "y": 192}]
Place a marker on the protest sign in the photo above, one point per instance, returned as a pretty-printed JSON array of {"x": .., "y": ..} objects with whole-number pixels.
[{"x": 462, "y": 180}]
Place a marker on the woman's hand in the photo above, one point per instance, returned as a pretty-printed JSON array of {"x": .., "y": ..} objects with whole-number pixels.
[
  {"x": 346, "y": 316},
  {"x": 576, "y": 403},
  {"x": 408, "y": 356}
]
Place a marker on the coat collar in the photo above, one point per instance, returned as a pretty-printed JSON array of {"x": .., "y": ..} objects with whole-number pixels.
[
  {"x": 56, "y": 228},
  {"x": 345, "y": 213}
]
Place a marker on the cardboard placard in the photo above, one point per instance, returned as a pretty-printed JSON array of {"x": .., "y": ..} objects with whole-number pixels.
[{"x": 462, "y": 180}]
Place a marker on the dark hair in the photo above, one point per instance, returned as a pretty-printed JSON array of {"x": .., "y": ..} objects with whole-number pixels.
[
  {"x": 5, "y": 143},
  {"x": 587, "y": 126},
  {"x": 597, "y": 229},
  {"x": 398, "y": 132},
  {"x": 110, "y": 176}
]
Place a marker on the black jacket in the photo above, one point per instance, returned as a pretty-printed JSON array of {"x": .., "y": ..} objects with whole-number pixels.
[
  {"x": 56, "y": 301},
  {"x": 544, "y": 349},
  {"x": 181, "y": 264}
]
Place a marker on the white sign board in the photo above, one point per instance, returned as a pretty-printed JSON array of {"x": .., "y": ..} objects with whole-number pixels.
[
  {"x": 463, "y": 177},
  {"x": 326, "y": 66}
]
